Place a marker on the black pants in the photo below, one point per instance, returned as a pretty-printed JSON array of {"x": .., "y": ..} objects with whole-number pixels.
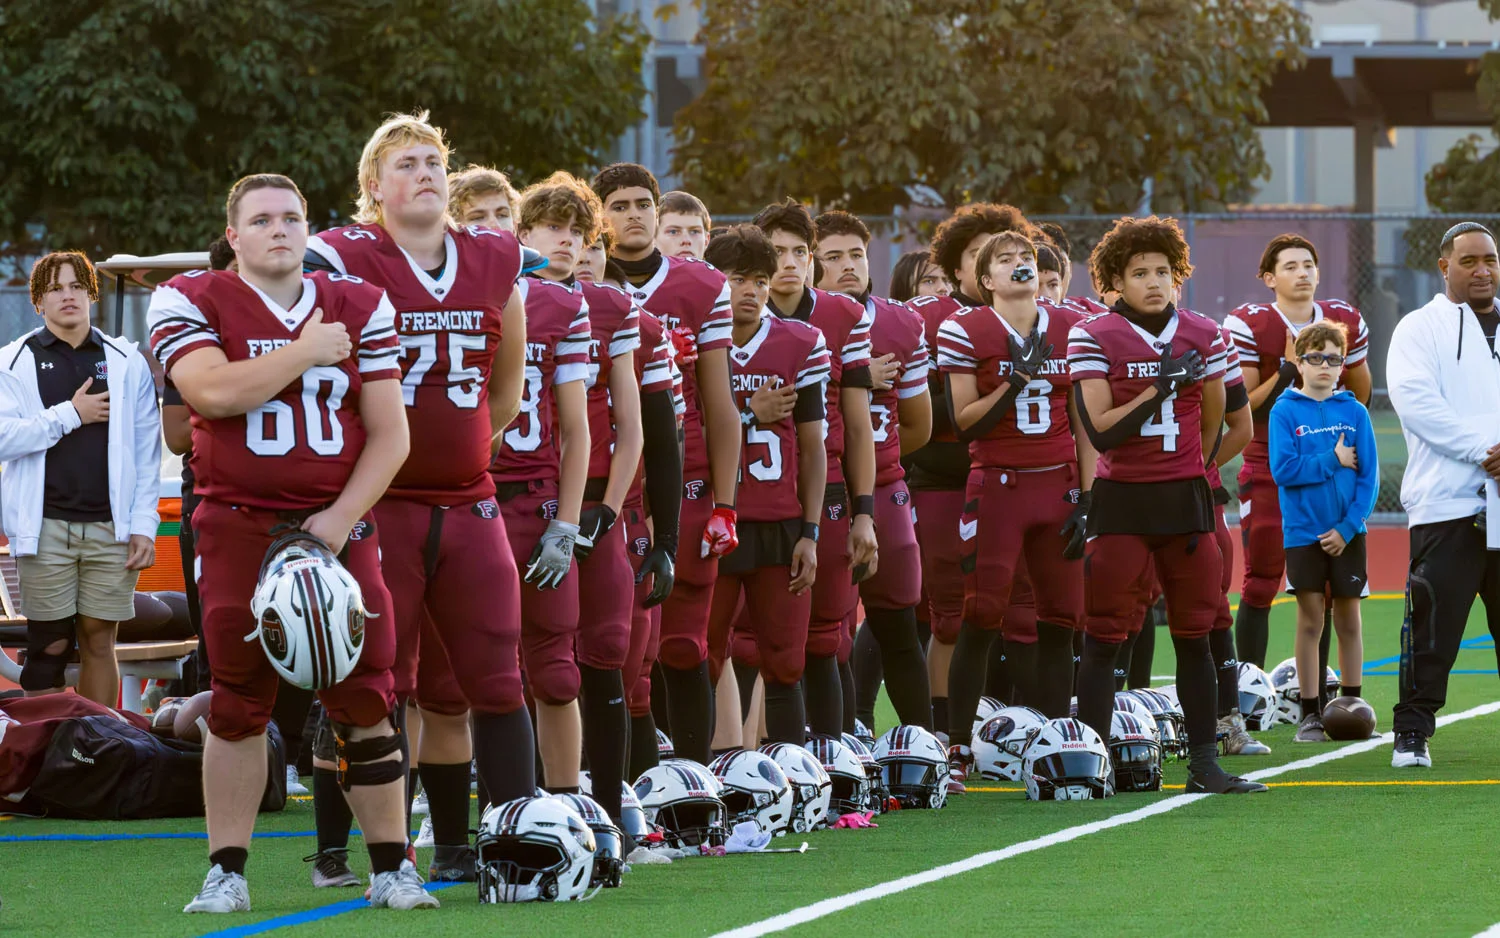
[
  {"x": 186, "y": 545},
  {"x": 1449, "y": 567}
]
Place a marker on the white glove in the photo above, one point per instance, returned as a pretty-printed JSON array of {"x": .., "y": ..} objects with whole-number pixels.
[{"x": 553, "y": 555}]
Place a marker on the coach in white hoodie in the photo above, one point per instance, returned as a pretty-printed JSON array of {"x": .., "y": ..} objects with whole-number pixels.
[
  {"x": 80, "y": 444},
  {"x": 1443, "y": 374}
]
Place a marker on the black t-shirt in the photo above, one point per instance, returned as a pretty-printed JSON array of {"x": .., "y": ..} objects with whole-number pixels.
[
  {"x": 1488, "y": 321},
  {"x": 170, "y": 397},
  {"x": 77, "y": 473}
]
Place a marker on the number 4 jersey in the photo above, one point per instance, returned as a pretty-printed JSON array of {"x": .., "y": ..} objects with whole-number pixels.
[{"x": 297, "y": 450}]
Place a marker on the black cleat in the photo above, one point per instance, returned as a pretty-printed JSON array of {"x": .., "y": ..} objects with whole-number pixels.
[
  {"x": 453, "y": 865},
  {"x": 331, "y": 869},
  {"x": 1221, "y": 783}
]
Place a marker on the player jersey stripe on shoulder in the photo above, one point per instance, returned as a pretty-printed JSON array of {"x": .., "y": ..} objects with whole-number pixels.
[
  {"x": 1086, "y": 357},
  {"x": 325, "y": 249},
  {"x": 176, "y": 325},
  {"x": 955, "y": 351}
]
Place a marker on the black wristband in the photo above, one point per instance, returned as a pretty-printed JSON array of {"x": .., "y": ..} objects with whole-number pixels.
[
  {"x": 810, "y": 531},
  {"x": 864, "y": 505},
  {"x": 718, "y": 505},
  {"x": 748, "y": 418}
]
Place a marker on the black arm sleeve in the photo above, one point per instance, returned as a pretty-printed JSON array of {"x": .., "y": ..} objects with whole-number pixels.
[
  {"x": 856, "y": 378},
  {"x": 942, "y": 414},
  {"x": 311, "y": 260},
  {"x": 1285, "y": 375},
  {"x": 1125, "y": 428},
  {"x": 986, "y": 423},
  {"x": 1235, "y": 398},
  {"x": 663, "y": 458},
  {"x": 809, "y": 405}
]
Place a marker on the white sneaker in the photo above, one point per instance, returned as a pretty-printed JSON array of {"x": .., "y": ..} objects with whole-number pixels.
[
  {"x": 424, "y": 835},
  {"x": 1238, "y": 742},
  {"x": 1410, "y": 752},
  {"x": 294, "y": 784},
  {"x": 419, "y": 803},
  {"x": 401, "y": 889},
  {"x": 221, "y": 892}
]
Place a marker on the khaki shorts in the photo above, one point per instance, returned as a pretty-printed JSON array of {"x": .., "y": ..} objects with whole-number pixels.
[{"x": 78, "y": 568}]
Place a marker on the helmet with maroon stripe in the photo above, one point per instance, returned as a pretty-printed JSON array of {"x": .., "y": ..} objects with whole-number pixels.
[
  {"x": 851, "y": 791},
  {"x": 681, "y": 797},
  {"x": 309, "y": 612},
  {"x": 1065, "y": 760},
  {"x": 914, "y": 765}
]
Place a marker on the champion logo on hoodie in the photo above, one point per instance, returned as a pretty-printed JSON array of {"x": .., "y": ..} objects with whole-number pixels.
[{"x": 1304, "y": 429}]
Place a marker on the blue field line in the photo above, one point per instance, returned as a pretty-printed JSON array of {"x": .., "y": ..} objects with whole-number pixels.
[
  {"x": 304, "y": 917},
  {"x": 1489, "y": 671},
  {"x": 1470, "y": 644}
]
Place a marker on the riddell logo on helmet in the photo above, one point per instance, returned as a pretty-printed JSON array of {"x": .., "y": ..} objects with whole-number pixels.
[{"x": 900, "y": 752}]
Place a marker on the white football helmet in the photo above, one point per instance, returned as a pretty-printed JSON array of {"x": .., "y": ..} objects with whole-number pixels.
[
  {"x": 1065, "y": 760},
  {"x": 1126, "y": 702},
  {"x": 681, "y": 798},
  {"x": 1170, "y": 727},
  {"x": 609, "y": 844},
  {"x": 309, "y": 612},
  {"x": 632, "y": 818},
  {"x": 863, "y": 734},
  {"x": 1258, "y": 698},
  {"x": 851, "y": 790},
  {"x": 1289, "y": 690},
  {"x": 755, "y": 789},
  {"x": 998, "y": 744},
  {"x": 878, "y": 792},
  {"x": 1136, "y": 752},
  {"x": 988, "y": 707},
  {"x": 812, "y": 789},
  {"x": 914, "y": 766},
  {"x": 664, "y": 748},
  {"x": 534, "y": 849}
]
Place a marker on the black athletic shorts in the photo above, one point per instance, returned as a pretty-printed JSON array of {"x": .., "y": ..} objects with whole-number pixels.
[{"x": 1309, "y": 568}]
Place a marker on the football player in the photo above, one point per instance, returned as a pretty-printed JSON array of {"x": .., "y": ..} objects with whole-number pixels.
[
  {"x": 1005, "y": 364},
  {"x": 846, "y": 550},
  {"x": 914, "y": 275},
  {"x": 446, "y": 554},
  {"x": 483, "y": 197},
  {"x": 901, "y": 413},
  {"x": 541, "y": 468},
  {"x": 1264, "y": 334},
  {"x": 782, "y": 472},
  {"x": 685, "y": 225},
  {"x": 1149, "y": 388},
  {"x": 938, "y": 472},
  {"x": 692, "y": 300},
  {"x": 295, "y": 387}
]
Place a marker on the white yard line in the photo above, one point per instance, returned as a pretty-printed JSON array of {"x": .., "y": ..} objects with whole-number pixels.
[
  {"x": 1492, "y": 932},
  {"x": 828, "y": 907}
]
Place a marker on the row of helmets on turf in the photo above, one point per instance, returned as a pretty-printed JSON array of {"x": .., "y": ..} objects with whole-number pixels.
[{"x": 1267, "y": 700}]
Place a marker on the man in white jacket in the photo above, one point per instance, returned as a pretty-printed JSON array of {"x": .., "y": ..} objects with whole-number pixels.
[
  {"x": 80, "y": 444},
  {"x": 1444, "y": 381}
]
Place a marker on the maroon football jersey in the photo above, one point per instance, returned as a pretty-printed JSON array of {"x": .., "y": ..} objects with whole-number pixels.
[
  {"x": 557, "y": 351},
  {"x": 934, "y": 311},
  {"x": 1167, "y": 448},
  {"x": 846, "y": 330},
  {"x": 1233, "y": 377},
  {"x": 894, "y": 330},
  {"x": 296, "y": 450},
  {"x": 614, "y": 322},
  {"x": 782, "y": 353},
  {"x": 1039, "y": 433},
  {"x": 450, "y": 330},
  {"x": 691, "y": 298},
  {"x": 1259, "y": 331}
]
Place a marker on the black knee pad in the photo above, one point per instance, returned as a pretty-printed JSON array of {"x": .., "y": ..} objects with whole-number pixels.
[
  {"x": 357, "y": 759},
  {"x": 45, "y": 670}
]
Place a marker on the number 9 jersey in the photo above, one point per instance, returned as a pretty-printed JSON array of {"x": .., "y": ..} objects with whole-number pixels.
[{"x": 311, "y": 429}]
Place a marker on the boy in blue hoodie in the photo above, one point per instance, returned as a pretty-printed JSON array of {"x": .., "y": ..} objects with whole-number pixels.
[{"x": 1323, "y": 460}]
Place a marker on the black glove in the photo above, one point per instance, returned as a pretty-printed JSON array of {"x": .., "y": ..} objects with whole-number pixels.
[
  {"x": 658, "y": 564},
  {"x": 1075, "y": 527},
  {"x": 1185, "y": 369},
  {"x": 593, "y": 523},
  {"x": 1029, "y": 357}
]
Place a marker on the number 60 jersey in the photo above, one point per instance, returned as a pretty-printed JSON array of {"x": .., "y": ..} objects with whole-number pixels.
[{"x": 296, "y": 450}]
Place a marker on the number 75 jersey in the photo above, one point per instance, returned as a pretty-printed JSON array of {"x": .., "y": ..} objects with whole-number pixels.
[
  {"x": 1038, "y": 433},
  {"x": 1168, "y": 447}
]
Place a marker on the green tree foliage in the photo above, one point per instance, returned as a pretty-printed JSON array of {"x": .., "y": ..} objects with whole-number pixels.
[
  {"x": 125, "y": 122},
  {"x": 1466, "y": 181},
  {"x": 1058, "y": 105}
]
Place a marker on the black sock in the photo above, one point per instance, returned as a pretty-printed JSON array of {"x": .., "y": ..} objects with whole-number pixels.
[
  {"x": 1227, "y": 668},
  {"x": 659, "y": 714},
  {"x": 786, "y": 717},
  {"x": 605, "y": 725},
  {"x": 966, "y": 679},
  {"x": 1325, "y": 643},
  {"x": 1021, "y": 662},
  {"x": 1124, "y": 656},
  {"x": 1054, "y": 663},
  {"x": 1096, "y": 684},
  {"x": 503, "y": 746},
  {"x": 331, "y": 813},
  {"x": 1252, "y": 629},
  {"x": 940, "y": 713},
  {"x": 230, "y": 859},
  {"x": 899, "y": 654},
  {"x": 869, "y": 667},
  {"x": 744, "y": 679},
  {"x": 643, "y": 753},
  {"x": 846, "y": 684},
  {"x": 690, "y": 701},
  {"x": 999, "y": 681},
  {"x": 1351, "y": 690},
  {"x": 386, "y": 858},
  {"x": 447, "y": 786},
  {"x": 824, "y": 695},
  {"x": 1142, "y": 655},
  {"x": 1312, "y": 704},
  {"x": 1197, "y": 689}
]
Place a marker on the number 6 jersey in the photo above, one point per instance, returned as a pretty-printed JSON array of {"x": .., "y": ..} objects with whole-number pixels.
[
  {"x": 296, "y": 450},
  {"x": 1038, "y": 434}
]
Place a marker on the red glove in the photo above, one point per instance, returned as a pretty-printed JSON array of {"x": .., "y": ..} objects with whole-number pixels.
[
  {"x": 719, "y": 537},
  {"x": 684, "y": 346}
]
